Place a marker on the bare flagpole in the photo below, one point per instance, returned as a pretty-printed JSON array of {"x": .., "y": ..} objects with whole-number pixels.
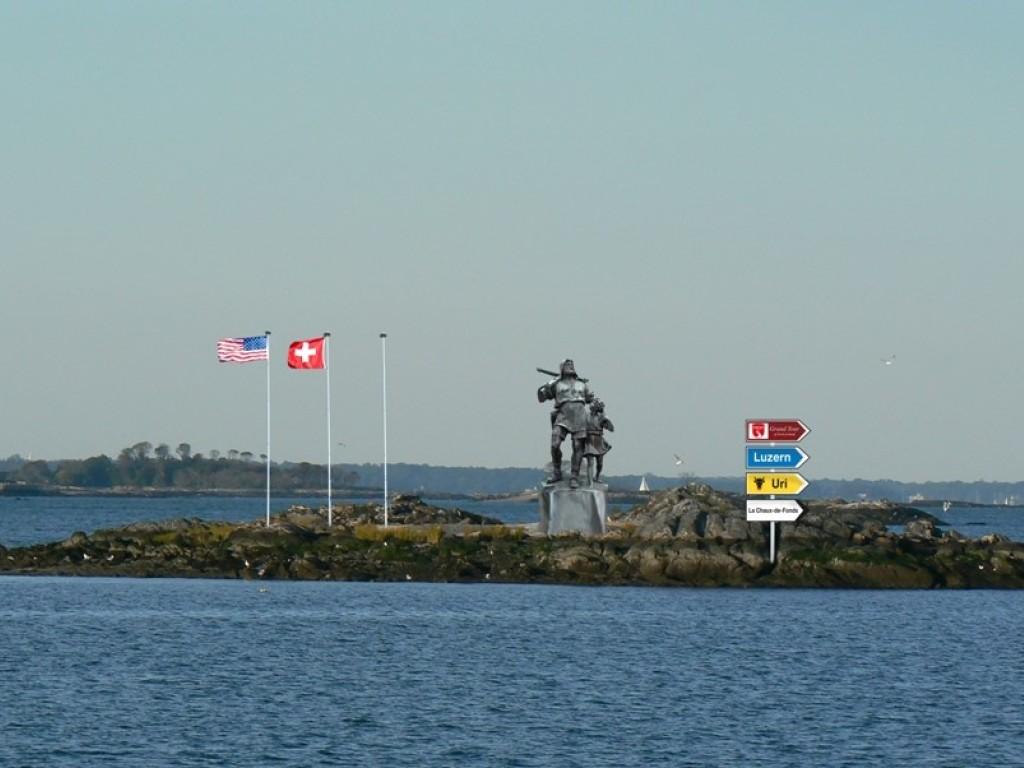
[
  {"x": 384, "y": 399},
  {"x": 327, "y": 368},
  {"x": 267, "y": 333}
]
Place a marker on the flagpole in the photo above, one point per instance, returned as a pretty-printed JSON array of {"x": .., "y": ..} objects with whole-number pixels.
[
  {"x": 384, "y": 400},
  {"x": 268, "y": 427},
  {"x": 327, "y": 369}
]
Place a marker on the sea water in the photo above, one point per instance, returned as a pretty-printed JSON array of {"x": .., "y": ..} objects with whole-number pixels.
[
  {"x": 168, "y": 672},
  {"x": 203, "y": 672}
]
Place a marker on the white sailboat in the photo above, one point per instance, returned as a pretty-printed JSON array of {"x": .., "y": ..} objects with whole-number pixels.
[{"x": 644, "y": 488}]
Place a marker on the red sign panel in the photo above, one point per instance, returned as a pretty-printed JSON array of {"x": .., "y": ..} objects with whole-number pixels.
[{"x": 776, "y": 430}]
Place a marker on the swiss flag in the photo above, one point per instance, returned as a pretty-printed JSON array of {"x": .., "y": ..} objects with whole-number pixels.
[{"x": 308, "y": 353}]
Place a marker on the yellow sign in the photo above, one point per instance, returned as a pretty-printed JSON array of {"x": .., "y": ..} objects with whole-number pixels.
[{"x": 775, "y": 483}]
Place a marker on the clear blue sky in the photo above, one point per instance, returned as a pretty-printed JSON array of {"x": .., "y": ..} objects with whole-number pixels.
[{"x": 719, "y": 210}]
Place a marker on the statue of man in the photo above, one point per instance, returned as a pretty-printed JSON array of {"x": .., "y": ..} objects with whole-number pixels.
[{"x": 569, "y": 418}]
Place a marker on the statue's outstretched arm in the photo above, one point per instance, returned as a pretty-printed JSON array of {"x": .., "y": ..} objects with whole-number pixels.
[{"x": 608, "y": 425}]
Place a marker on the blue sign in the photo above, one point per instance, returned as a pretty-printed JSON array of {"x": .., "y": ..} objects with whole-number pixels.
[{"x": 787, "y": 457}]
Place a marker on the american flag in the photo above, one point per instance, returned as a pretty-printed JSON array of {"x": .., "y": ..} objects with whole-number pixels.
[{"x": 243, "y": 350}]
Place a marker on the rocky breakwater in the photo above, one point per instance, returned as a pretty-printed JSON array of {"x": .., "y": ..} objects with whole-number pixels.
[
  {"x": 705, "y": 539},
  {"x": 690, "y": 536}
]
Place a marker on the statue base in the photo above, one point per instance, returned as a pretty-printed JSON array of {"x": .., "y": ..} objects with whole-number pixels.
[{"x": 564, "y": 509}]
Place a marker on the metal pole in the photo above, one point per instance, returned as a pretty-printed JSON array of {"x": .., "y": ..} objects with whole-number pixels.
[
  {"x": 384, "y": 399},
  {"x": 327, "y": 369},
  {"x": 268, "y": 427},
  {"x": 771, "y": 539}
]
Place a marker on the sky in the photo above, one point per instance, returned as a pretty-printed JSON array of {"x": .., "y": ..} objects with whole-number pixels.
[{"x": 720, "y": 211}]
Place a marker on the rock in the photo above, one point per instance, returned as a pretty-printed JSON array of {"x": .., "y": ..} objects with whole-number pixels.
[
  {"x": 303, "y": 517},
  {"x": 803, "y": 532},
  {"x": 729, "y": 526},
  {"x": 921, "y": 529},
  {"x": 688, "y": 520},
  {"x": 684, "y": 513},
  {"x": 402, "y": 510},
  {"x": 75, "y": 540},
  {"x": 259, "y": 535},
  {"x": 993, "y": 538},
  {"x": 307, "y": 568},
  {"x": 847, "y": 569},
  {"x": 646, "y": 563},
  {"x": 700, "y": 567},
  {"x": 690, "y": 536},
  {"x": 178, "y": 524},
  {"x": 884, "y": 512},
  {"x": 753, "y": 555},
  {"x": 872, "y": 529},
  {"x": 578, "y": 560}
]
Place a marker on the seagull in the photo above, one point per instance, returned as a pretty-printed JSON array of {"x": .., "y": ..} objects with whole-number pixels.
[
  {"x": 889, "y": 360},
  {"x": 679, "y": 459}
]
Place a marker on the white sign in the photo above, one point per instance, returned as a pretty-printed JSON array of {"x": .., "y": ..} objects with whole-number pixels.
[{"x": 770, "y": 511}]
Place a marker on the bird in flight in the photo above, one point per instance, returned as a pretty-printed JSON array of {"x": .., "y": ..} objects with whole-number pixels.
[
  {"x": 679, "y": 459},
  {"x": 889, "y": 360}
]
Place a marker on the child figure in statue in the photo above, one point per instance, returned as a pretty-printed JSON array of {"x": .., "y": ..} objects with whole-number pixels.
[{"x": 596, "y": 446}]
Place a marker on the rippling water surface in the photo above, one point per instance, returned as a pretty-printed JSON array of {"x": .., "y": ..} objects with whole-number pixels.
[
  {"x": 123, "y": 672},
  {"x": 172, "y": 672}
]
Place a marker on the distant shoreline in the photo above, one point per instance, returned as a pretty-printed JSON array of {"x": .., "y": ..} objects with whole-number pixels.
[
  {"x": 142, "y": 493},
  {"x": 11, "y": 490}
]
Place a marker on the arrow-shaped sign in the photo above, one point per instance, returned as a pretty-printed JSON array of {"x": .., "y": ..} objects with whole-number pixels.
[
  {"x": 772, "y": 511},
  {"x": 775, "y": 483},
  {"x": 786, "y": 457},
  {"x": 776, "y": 430}
]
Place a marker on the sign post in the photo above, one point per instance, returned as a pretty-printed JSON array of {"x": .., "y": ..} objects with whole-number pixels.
[
  {"x": 764, "y": 459},
  {"x": 774, "y": 510},
  {"x": 775, "y": 483},
  {"x": 776, "y": 430}
]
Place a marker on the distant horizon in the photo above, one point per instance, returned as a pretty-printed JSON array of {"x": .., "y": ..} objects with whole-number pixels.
[{"x": 681, "y": 479}]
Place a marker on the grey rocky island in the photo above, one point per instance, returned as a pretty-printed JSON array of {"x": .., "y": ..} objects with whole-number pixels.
[{"x": 688, "y": 536}]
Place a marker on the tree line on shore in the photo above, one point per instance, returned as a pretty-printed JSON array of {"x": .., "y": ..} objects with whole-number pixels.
[{"x": 144, "y": 465}]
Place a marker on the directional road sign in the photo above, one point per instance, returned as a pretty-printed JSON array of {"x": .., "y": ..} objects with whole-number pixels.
[
  {"x": 786, "y": 457},
  {"x": 773, "y": 511},
  {"x": 775, "y": 483},
  {"x": 776, "y": 430}
]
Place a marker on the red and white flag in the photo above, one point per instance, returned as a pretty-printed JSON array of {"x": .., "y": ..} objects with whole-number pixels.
[{"x": 307, "y": 354}]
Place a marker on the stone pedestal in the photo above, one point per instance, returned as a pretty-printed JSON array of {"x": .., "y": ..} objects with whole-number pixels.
[{"x": 583, "y": 509}]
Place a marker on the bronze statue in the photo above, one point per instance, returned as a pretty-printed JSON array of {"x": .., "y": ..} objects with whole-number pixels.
[
  {"x": 571, "y": 395},
  {"x": 597, "y": 446}
]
